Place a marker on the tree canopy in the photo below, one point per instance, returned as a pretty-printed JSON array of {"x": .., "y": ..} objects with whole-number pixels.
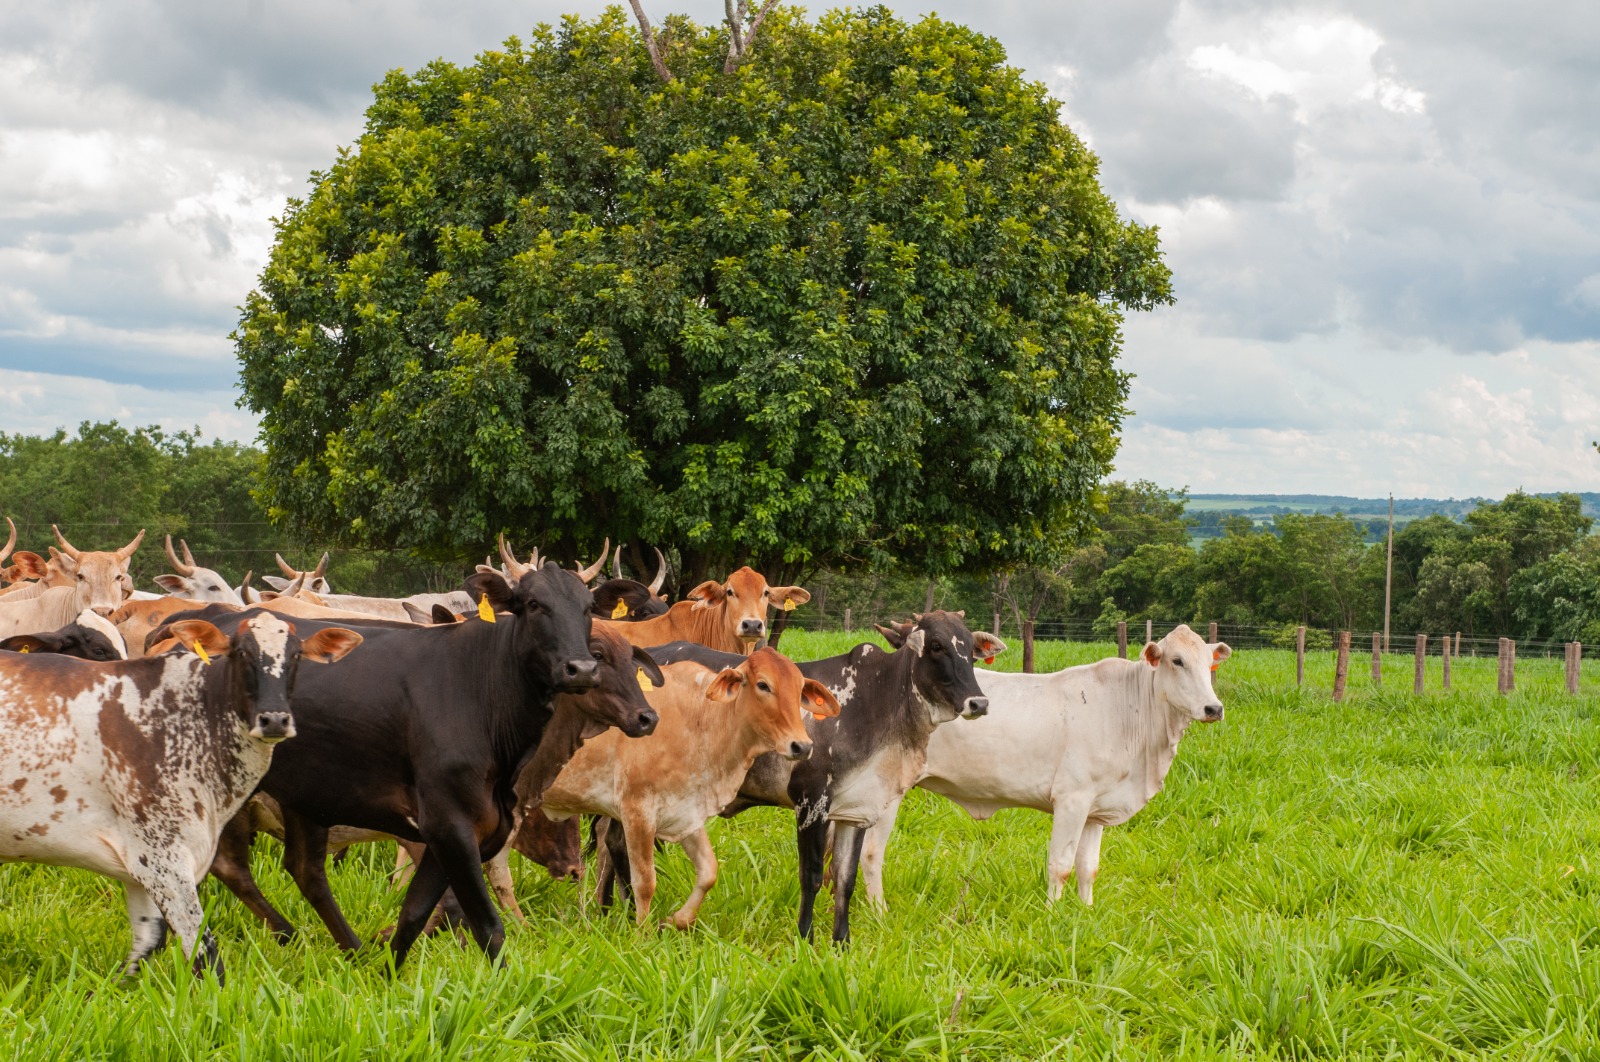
[{"x": 858, "y": 297}]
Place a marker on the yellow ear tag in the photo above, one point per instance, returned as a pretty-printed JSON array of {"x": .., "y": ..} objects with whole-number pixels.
[
  {"x": 200, "y": 651},
  {"x": 644, "y": 681},
  {"x": 788, "y": 604},
  {"x": 26, "y": 649},
  {"x": 485, "y": 613},
  {"x": 620, "y": 610}
]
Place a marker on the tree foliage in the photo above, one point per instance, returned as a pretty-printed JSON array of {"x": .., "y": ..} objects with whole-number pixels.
[{"x": 858, "y": 298}]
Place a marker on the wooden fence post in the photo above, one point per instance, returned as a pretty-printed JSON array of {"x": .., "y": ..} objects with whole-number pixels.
[
  {"x": 1422, "y": 659},
  {"x": 1211, "y": 633},
  {"x": 1149, "y": 631},
  {"x": 1458, "y": 645},
  {"x": 1122, "y": 639},
  {"x": 995, "y": 630},
  {"x": 1446, "y": 656},
  {"x": 1511, "y": 665},
  {"x": 1027, "y": 645},
  {"x": 1341, "y": 666},
  {"x": 847, "y": 624},
  {"x": 1300, "y": 656},
  {"x": 1574, "y": 663},
  {"x": 1377, "y": 658},
  {"x": 1500, "y": 669}
]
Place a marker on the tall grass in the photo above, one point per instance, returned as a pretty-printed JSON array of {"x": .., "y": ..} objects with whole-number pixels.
[{"x": 1395, "y": 876}]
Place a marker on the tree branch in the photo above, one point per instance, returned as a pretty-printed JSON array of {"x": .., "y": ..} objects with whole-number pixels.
[
  {"x": 650, "y": 41},
  {"x": 742, "y": 32}
]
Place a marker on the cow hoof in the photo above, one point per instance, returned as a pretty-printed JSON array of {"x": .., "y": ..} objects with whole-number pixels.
[{"x": 679, "y": 922}]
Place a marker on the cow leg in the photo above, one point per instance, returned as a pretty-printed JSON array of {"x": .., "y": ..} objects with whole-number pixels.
[
  {"x": 305, "y": 857},
  {"x": 1088, "y": 862},
  {"x": 231, "y": 866},
  {"x": 612, "y": 864},
  {"x": 172, "y": 891},
  {"x": 407, "y": 854},
  {"x": 149, "y": 928},
  {"x": 1065, "y": 829},
  {"x": 846, "y": 857},
  {"x": 456, "y": 847},
  {"x": 872, "y": 850},
  {"x": 641, "y": 840},
  {"x": 422, "y": 896},
  {"x": 813, "y": 842},
  {"x": 499, "y": 871},
  {"x": 698, "y": 847}
]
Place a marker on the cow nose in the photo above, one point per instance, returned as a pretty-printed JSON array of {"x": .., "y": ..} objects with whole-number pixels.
[
  {"x": 752, "y": 628},
  {"x": 647, "y": 722},
  {"x": 583, "y": 673},
  {"x": 274, "y": 726},
  {"x": 103, "y": 610},
  {"x": 798, "y": 750},
  {"x": 1213, "y": 712},
  {"x": 973, "y": 707}
]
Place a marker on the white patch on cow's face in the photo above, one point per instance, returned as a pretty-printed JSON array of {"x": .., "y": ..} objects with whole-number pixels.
[
  {"x": 1183, "y": 676},
  {"x": 94, "y": 621},
  {"x": 272, "y": 637}
]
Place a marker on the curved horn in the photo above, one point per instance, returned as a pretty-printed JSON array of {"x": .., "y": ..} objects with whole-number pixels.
[
  {"x": 294, "y": 588},
  {"x": 66, "y": 547},
  {"x": 322, "y": 566},
  {"x": 588, "y": 573},
  {"x": 513, "y": 566},
  {"x": 661, "y": 573},
  {"x": 188, "y": 558},
  {"x": 283, "y": 565},
  {"x": 178, "y": 565},
  {"x": 127, "y": 551},
  {"x": 11, "y": 543},
  {"x": 616, "y": 563}
]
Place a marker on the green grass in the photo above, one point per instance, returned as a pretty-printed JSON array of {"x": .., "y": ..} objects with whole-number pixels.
[{"x": 1390, "y": 877}]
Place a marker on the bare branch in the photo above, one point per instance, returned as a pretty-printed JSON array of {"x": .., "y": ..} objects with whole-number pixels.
[
  {"x": 735, "y": 29},
  {"x": 650, "y": 41},
  {"x": 742, "y": 31}
]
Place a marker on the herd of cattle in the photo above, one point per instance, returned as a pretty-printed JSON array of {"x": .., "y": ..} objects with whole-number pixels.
[{"x": 149, "y": 738}]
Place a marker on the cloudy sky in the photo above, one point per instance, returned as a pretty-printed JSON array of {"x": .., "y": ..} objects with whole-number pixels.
[{"x": 1383, "y": 219}]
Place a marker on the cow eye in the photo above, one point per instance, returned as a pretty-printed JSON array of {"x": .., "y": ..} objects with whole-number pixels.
[
  {"x": 731, "y": 593},
  {"x": 1177, "y": 661},
  {"x": 937, "y": 647},
  {"x": 763, "y": 687}
]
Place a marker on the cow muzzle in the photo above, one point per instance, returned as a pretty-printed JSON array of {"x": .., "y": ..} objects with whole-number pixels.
[
  {"x": 797, "y": 750},
  {"x": 752, "y": 629},
  {"x": 273, "y": 726},
  {"x": 973, "y": 707},
  {"x": 580, "y": 675},
  {"x": 1213, "y": 713},
  {"x": 644, "y": 724}
]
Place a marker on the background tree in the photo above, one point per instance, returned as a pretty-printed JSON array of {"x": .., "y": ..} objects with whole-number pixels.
[{"x": 858, "y": 299}]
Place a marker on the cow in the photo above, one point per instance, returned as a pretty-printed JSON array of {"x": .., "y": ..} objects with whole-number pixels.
[
  {"x": 138, "y": 620},
  {"x": 129, "y": 769},
  {"x": 870, "y": 754},
  {"x": 713, "y": 726},
  {"x": 90, "y": 637},
  {"x": 1091, "y": 745},
  {"x": 730, "y": 616},
  {"x": 421, "y": 737},
  {"x": 625, "y": 599},
  {"x": 194, "y": 582},
  {"x": 315, "y": 581},
  {"x": 95, "y": 580}
]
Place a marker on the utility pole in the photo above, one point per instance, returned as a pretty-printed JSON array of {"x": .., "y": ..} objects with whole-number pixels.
[{"x": 1388, "y": 576}]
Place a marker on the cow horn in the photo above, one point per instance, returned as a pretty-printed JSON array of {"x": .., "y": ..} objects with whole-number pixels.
[
  {"x": 322, "y": 566},
  {"x": 661, "y": 573},
  {"x": 616, "y": 563},
  {"x": 188, "y": 558},
  {"x": 127, "y": 551},
  {"x": 66, "y": 547},
  {"x": 178, "y": 565},
  {"x": 283, "y": 565},
  {"x": 294, "y": 588},
  {"x": 589, "y": 572},
  {"x": 11, "y": 543},
  {"x": 514, "y": 567}
]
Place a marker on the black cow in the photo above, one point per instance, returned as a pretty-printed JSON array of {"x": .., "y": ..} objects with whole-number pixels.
[
  {"x": 861, "y": 759},
  {"x": 423, "y": 737},
  {"x": 75, "y": 640},
  {"x": 626, "y": 599}
]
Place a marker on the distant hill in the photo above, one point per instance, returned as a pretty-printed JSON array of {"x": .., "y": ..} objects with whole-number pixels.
[{"x": 1208, "y": 511}]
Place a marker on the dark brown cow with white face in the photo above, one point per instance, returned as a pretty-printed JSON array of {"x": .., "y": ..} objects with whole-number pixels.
[
  {"x": 730, "y": 616},
  {"x": 130, "y": 769}
]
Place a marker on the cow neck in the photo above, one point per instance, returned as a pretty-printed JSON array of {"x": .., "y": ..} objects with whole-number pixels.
[
  {"x": 515, "y": 701},
  {"x": 727, "y": 741},
  {"x": 220, "y": 689},
  {"x": 1160, "y": 730},
  {"x": 563, "y": 737}
]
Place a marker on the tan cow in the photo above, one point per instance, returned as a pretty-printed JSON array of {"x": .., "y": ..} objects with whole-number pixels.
[
  {"x": 730, "y": 616},
  {"x": 712, "y": 727},
  {"x": 94, "y": 579},
  {"x": 137, "y": 620}
]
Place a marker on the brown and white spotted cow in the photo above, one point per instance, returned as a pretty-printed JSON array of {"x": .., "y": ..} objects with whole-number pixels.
[{"x": 131, "y": 768}]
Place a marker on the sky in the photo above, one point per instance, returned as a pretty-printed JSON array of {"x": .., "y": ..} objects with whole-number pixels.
[{"x": 1383, "y": 219}]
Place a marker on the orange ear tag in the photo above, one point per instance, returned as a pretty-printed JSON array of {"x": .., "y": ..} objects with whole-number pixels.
[
  {"x": 485, "y": 612},
  {"x": 988, "y": 660},
  {"x": 200, "y": 651},
  {"x": 620, "y": 610},
  {"x": 644, "y": 681}
]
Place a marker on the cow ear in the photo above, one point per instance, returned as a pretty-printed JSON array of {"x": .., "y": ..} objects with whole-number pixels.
[
  {"x": 441, "y": 614},
  {"x": 1219, "y": 653},
  {"x": 1152, "y": 653},
  {"x": 277, "y": 582},
  {"x": 787, "y": 597},
  {"x": 725, "y": 686},
  {"x": 29, "y": 643},
  {"x": 707, "y": 594},
  {"x": 197, "y": 632},
  {"x": 892, "y": 635},
  {"x": 986, "y": 646},
  {"x": 62, "y": 561},
  {"x": 29, "y": 565},
  {"x": 329, "y": 644},
  {"x": 493, "y": 586},
  {"x": 170, "y": 583},
  {"x": 819, "y": 700},
  {"x": 651, "y": 669},
  {"x": 915, "y": 640}
]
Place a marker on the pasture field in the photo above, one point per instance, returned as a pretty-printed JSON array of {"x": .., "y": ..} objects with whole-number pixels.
[{"x": 1392, "y": 877}]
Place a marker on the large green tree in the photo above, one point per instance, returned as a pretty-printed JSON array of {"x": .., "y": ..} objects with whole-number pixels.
[{"x": 854, "y": 292}]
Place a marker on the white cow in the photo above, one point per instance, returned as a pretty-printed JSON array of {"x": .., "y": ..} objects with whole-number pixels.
[
  {"x": 194, "y": 582},
  {"x": 96, "y": 580},
  {"x": 1091, "y": 745}
]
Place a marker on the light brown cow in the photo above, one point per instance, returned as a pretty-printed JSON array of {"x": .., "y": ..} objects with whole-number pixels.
[
  {"x": 670, "y": 783},
  {"x": 137, "y": 620},
  {"x": 730, "y": 616}
]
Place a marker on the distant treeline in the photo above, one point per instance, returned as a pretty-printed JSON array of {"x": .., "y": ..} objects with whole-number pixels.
[{"x": 1524, "y": 566}]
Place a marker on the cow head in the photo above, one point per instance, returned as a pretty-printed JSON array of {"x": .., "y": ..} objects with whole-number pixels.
[
  {"x": 943, "y": 672},
  {"x": 770, "y": 692},
  {"x": 556, "y": 846},
  {"x": 100, "y": 578},
  {"x": 618, "y": 701},
  {"x": 626, "y": 599},
  {"x": 90, "y": 637},
  {"x": 312, "y": 580},
  {"x": 551, "y": 611},
  {"x": 744, "y": 598},
  {"x": 1183, "y": 663},
  {"x": 194, "y": 582},
  {"x": 257, "y": 666}
]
